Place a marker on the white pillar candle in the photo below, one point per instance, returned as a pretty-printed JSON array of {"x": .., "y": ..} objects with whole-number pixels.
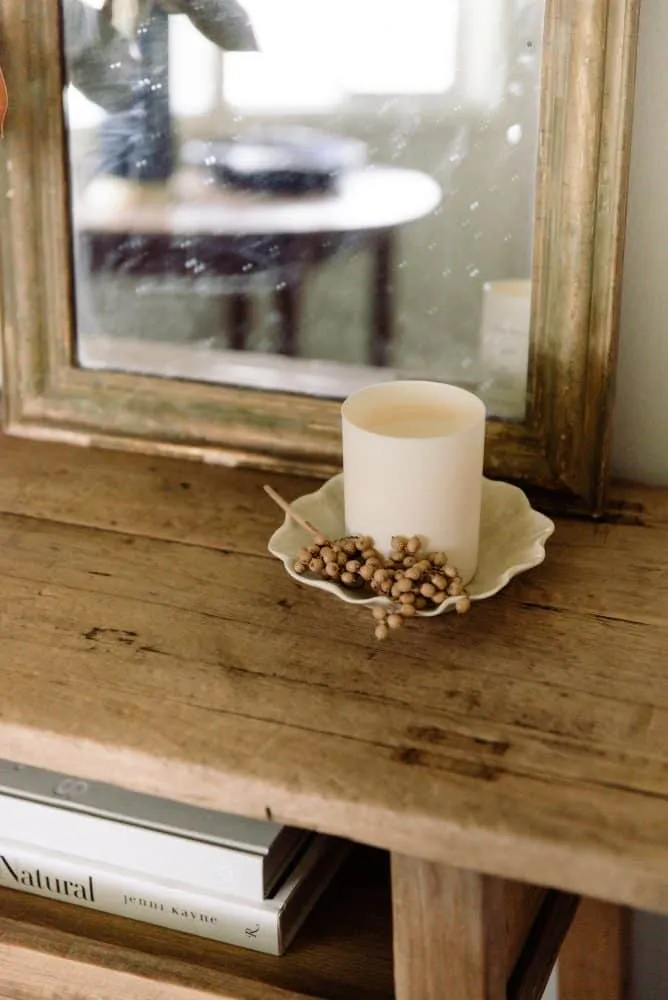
[{"x": 412, "y": 465}]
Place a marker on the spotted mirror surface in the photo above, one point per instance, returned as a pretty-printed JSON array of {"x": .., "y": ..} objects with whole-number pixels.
[{"x": 305, "y": 195}]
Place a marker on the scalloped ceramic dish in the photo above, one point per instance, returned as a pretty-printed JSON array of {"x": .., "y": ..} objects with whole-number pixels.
[{"x": 512, "y": 540}]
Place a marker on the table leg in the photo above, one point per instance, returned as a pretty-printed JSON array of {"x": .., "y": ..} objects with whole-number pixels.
[
  {"x": 287, "y": 301},
  {"x": 383, "y": 300},
  {"x": 459, "y": 935},
  {"x": 595, "y": 962},
  {"x": 239, "y": 318}
]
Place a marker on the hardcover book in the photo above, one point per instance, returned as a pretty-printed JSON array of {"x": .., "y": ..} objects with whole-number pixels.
[
  {"x": 153, "y": 836},
  {"x": 268, "y": 925}
]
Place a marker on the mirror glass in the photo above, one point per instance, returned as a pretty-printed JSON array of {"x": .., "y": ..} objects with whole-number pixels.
[{"x": 305, "y": 195}]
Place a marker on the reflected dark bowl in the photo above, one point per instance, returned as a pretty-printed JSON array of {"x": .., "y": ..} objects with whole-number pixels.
[{"x": 278, "y": 162}]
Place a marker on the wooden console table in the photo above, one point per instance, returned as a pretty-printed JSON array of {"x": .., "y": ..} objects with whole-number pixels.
[{"x": 147, "y": 638}]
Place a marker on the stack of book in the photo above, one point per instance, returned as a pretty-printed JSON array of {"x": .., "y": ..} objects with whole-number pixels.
[{"x": 242, "y": 881}]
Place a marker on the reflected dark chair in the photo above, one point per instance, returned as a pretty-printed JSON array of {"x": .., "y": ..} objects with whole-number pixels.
[{"x": 287, "y": 258}]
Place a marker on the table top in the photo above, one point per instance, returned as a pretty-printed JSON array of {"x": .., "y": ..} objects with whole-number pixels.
[
  {"x": 375, "y": 197},
  {"x": 148, "y": 638}
]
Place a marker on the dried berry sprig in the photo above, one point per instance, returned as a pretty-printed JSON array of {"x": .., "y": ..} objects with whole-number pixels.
[
  {"x": 411, "y": 579},
  {"x": 291, "y": 512}
]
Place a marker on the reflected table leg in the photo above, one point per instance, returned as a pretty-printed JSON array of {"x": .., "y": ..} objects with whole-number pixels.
[
  {"x": 239, "y": 318},
  {"x": 383, "y": 299},
  {"x": 288, "y": 296}
]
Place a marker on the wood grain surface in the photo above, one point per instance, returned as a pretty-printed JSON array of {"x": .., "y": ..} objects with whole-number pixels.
[
  {"x": 531, "y": 974},
  {"x": 146, "y": 634},
  {"x": 456, "y": 933},
  {"x": 595, "y": 962}
]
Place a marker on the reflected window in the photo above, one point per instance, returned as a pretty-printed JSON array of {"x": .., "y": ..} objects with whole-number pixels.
[{"x": 321, "y": 58}]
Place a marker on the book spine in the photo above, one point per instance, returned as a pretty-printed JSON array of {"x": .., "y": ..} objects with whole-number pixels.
[
  {"x": 113, "y": 802},
  {"x": 122, "y": 894},
  {"x": 149, "y": 853}
]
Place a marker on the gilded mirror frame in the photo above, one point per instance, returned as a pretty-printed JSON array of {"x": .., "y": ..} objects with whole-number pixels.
[{"x": 561, "y": 447}]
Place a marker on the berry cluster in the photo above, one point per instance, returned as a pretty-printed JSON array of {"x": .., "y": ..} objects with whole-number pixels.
[{"x": 412, "y": 580}]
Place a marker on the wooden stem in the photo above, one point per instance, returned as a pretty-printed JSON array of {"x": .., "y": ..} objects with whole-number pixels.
[{"x": 291, "y": 512}]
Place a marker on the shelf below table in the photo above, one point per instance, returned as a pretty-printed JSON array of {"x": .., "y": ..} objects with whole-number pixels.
[{"x": 343, "y": 951}]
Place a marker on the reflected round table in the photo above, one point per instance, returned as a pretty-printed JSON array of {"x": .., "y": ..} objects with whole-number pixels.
[{"x": 193, "y": 227}]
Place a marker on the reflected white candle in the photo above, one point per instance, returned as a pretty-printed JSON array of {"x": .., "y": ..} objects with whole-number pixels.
[
  {"x": 412, "y": 465},
  {"x": 505, "y": 339}
]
